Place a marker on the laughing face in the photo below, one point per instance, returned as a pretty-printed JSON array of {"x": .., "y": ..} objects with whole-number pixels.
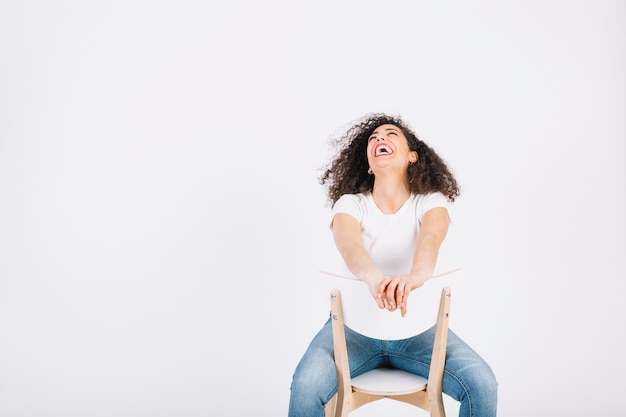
[{"x": 387, "y": 147}]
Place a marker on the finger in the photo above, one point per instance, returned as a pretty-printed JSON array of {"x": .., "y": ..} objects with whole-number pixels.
[
  {"x": 380, "y": 301},
  {"x": 405, "y": 299},
  {"x": 380, "y": 293},
  {"x": 390, "y": 295},
  {"x": 399, "y": 294}
]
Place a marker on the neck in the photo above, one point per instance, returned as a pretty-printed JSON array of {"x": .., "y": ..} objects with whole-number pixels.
[{"x": 390, "y": 193}]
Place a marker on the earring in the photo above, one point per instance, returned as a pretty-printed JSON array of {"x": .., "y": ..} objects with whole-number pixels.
[{"x": 369, "y": 171}]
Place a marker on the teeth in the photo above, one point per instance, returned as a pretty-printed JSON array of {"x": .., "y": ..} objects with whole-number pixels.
[{"x": 382, "y": 149}]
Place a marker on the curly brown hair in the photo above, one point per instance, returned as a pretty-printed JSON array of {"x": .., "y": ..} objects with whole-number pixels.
[{"x": 347, "y": 171}]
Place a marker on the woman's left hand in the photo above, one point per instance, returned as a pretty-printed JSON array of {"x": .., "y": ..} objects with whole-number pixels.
[{"x": 395, "y": 289}]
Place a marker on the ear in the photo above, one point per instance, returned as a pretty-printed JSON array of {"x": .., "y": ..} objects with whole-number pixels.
[{"x": 413, "y": 157}]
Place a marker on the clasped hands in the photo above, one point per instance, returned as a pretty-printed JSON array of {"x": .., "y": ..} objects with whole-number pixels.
[{"x": 392, "y": 292}]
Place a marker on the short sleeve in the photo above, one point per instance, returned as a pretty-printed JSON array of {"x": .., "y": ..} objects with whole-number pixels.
[
  {"x": 431, "y": 201},
  {"x": 349, "y": 204}
]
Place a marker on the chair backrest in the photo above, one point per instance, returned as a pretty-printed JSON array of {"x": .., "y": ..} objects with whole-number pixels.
[{"x": 362, "y": 315}]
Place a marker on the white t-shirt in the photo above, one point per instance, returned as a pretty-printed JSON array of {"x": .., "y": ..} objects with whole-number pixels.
[{"x": 390, "y": 239}]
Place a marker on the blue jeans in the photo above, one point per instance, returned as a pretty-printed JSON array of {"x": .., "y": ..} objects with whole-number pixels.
[{"x": 467, "y": 377}]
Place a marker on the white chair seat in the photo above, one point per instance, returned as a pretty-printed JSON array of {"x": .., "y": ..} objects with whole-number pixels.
[{"x": 381, "y": 381}]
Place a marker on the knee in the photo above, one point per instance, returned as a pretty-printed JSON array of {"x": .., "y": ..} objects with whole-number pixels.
[
  {"x": 483, "y": 379},
  {"x": 475, "y": 381},
  {"x": 484, "y": 394},
  {"x": 314, "y": 382},
  {"x": 301, "y": 383},
  {"x": 309, "y": 395},
  {"x": 487, "y": 386},
  {"x": 480, "y": 391}
]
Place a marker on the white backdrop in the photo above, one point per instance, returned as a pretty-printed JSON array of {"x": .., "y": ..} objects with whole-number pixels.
[{"x": 161, "y": 220}]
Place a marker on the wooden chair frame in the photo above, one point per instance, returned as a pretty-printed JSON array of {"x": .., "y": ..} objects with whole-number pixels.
[{"x": 427, "y": 397}]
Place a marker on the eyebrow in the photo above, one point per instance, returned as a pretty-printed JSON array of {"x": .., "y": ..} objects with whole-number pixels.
[{"x": 394, "y": 129}]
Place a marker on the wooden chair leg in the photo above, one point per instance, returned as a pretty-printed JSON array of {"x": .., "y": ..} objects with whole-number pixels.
[{"x": 330, "y": 406}]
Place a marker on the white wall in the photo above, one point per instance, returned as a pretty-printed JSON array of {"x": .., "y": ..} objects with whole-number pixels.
[{"x": 161, "y": 221}]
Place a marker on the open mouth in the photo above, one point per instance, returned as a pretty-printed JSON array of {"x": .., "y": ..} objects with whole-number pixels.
[{"x": 382, "y": 149}]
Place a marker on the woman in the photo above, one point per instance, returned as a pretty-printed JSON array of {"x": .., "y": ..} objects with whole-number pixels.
[{"x": 390, "y": 194}]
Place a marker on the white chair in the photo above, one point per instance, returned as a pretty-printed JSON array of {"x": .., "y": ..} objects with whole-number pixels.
[{"x": 352, "y": 305}]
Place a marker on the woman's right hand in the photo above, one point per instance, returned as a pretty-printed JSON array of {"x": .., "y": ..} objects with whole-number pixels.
[{"x": 377, "y": 289}]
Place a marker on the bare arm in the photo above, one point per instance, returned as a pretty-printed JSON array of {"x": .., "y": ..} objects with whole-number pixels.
[
  {"x": 433, "y": 230},
  {"x": 347, "y": 236}
]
